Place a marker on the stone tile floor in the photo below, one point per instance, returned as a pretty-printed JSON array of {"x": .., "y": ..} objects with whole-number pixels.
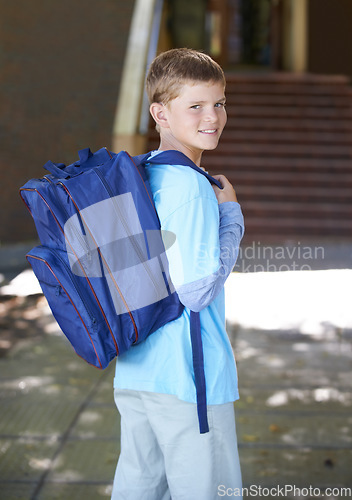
[{"x": 59, "y": 429}]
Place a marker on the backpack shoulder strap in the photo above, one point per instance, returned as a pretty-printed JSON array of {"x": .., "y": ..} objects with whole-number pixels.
[
  {"x": 199, "y": 374},
  {"x": 140, "y": 159},
  {"x": 178, "y": 158},
  {"x": 172, "y": 157}
]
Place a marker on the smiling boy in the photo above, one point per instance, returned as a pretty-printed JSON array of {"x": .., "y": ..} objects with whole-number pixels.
[
  {"x": 193, "y": 121},
  {"x": 163, "y": 455}
]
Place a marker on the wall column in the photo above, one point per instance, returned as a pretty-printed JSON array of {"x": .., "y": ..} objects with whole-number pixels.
[
  {"x": 126, "y": 135},
  {"x": 295, "y": 37}
]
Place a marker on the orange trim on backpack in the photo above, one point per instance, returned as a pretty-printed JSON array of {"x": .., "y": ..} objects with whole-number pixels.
[
  {"x": 109, "y": 271},
  {"x": 86, "y": 277}
]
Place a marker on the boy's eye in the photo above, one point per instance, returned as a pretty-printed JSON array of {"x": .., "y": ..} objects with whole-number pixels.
[{"x": 217, "y": 105}]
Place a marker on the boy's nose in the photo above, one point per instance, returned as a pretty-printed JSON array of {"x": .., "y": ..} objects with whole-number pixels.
[{"x": 211, "y": 115}]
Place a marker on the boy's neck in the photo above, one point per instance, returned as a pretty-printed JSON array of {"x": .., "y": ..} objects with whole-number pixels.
[{"x": 196, "y": 157}]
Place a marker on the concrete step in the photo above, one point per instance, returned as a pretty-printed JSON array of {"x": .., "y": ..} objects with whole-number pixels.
[
  {"x": 215, "y": 163},
  {"x": 283, "y": 193},
  {"x": 284, "y": 150},
  {"x": 270, "y": 88},
  {"x": 287, "y": 83},
  {"x": 273, "y": 137},
  {"x": 311, "y": 209},
  {"x": 286, "y": 226},
  {"x": 289, "y": 112},
  {"x": 297, "y": 124},
  {"x": 283, "y": 179},
  {"x": 298, "y": 100}
]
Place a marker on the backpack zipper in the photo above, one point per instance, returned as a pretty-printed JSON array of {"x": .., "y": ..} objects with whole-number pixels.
[{"x": 79, "y": 236}]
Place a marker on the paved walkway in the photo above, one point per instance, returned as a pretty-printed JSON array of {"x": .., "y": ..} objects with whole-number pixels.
[
  {"x": 59, "y": 429},
  {"x": 294, "y": 415}
]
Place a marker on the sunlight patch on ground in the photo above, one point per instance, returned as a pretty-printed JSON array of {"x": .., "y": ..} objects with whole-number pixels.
[
  {"x": 23, "y": 285},
  {"x": 306, "y": 396},
  {"x": 25, "y": 384},
  {"x": 311, "y": 302}
]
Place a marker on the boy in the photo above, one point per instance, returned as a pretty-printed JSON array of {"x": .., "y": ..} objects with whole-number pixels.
[{"x": 163, "y": 455}]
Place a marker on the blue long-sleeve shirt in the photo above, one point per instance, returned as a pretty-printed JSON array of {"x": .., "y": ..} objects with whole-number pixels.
[{"x": 203, "y": 255}]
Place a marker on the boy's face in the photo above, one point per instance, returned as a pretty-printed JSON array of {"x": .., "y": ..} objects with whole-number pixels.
[{"x": 195, "y": 119}]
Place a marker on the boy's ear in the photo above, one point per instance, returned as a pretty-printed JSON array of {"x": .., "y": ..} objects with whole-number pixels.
[{"x": 158, "y": 112}]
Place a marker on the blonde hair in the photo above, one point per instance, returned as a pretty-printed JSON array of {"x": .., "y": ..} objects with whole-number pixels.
[{"x": 172, "y": 69}]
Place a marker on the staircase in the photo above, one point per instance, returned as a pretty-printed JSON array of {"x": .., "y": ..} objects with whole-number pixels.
[{"x": 287, "y": 149}]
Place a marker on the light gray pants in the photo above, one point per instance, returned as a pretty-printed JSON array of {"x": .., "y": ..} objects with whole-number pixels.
[{"x": 164, "y": 456}]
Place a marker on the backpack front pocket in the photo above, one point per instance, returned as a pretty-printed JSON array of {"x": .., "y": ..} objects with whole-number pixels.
[{"x": 73, "y": 308}]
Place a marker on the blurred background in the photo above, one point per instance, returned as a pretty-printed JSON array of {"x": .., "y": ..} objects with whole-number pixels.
[{"x": 72, "y": 76}]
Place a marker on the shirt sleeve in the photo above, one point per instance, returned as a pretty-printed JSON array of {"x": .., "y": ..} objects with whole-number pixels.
[
  {"x": 200, "y": 293},
  {"x": 207, "y": 238}
]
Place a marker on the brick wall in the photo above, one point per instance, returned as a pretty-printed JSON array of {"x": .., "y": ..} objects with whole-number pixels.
[{"x": 60, "y": 66}]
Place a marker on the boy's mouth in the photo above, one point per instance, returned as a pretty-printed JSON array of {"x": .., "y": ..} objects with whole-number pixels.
[{"x": 208, "y": 131}]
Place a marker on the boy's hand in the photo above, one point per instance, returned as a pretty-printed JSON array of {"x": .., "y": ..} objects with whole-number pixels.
[{"x": 227, "y": 193}]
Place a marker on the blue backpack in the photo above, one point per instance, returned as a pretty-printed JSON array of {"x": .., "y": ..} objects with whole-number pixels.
[{"x": 101, "y": 263}]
